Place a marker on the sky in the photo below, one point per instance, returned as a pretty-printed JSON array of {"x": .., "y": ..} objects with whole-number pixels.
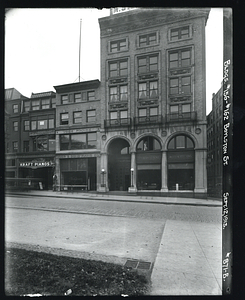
[{"x": 42, "y": 48}]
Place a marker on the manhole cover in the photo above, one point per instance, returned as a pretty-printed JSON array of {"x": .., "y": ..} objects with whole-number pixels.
[
  {"x": 131, "y": 264},
  {"x": 144, "y": 265}
]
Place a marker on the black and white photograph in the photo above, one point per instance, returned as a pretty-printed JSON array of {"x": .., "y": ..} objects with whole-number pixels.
[{"x": 118, "y": 125}]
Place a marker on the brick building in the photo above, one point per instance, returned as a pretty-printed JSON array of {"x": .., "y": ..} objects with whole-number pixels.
[{"x": 214, "y": 143}]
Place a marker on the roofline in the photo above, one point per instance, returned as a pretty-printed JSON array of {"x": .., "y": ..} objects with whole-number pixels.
[{"x": 78, "y": 85}]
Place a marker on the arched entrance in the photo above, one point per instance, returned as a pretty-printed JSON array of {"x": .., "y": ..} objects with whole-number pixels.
[
  {"x": 148, "y": 160},
  {"x": 181, "y": 163},
  {"x": 118, "y": 165}
]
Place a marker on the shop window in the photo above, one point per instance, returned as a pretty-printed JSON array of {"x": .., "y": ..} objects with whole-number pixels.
[
  {"x": 91, "y": 116},
  {"x": 15, "y": 146},
  {"x": 15, "y": 126},
  {"x": 148, "y": 39},
  {"x": 15, "y": 108},
  {"x": 64, "y": 99},
  {"x": 26, "y": 125},
  {"x": 26, "y": 106},
  {"x": 45, "y": 104},
  {"x": 180, "y": 58},
  {"x": 25, "y": 146},
  {"x": 64, "y": 119},
  {"x": 77, "y": 117},
  {"x": 118, "y": 68},
  {"x": 35, "y": 104},
  {"x": 180, "y": 33}
]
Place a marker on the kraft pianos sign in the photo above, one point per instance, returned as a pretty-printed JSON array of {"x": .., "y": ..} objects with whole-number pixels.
[{"x": 37, "y": 164}]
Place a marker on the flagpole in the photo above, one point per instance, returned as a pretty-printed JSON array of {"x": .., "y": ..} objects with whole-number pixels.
[{"x": 80, "y": 48}]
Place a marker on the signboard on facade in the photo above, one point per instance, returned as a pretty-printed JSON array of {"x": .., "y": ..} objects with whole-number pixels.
[
  {"x": 36, "y": 164},
  {"x": 148, "y": 158},
  {"x": 186, "y": 156}
]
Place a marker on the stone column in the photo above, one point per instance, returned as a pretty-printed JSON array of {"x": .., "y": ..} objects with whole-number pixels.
[
  {"x": 133, "y": 188},
  {"x": 200, "y": 171},
  {"x": 104, "y": 175},
  {"x": 164, "y": 172}
]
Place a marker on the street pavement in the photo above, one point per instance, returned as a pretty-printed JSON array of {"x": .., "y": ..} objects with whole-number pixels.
[{"x": 186, "y": 256}]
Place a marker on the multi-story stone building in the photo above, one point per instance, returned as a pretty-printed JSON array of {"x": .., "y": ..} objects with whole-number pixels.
[
  {"x": 214, "y": 142},
  {"x": 142, "y": 127},
  {"x": 153, "y": 100}
]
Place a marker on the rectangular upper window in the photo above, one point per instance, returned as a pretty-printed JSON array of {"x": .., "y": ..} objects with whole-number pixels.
[
  {"x": 148, "y": 39},
  {"x": 35, "y": 104},
  {"x": 26, "y": 125},
  {"x": 42, "y": 124},
  {"x": 25, "y": 146},
  {"x": 180, "y": 33},
  {"x": 15, "y": 126},
  {"x": 91, "y": 95},
  {"x": 27, "y": 105},
  {"x": 148, "y": 64},
  {"x": 118, "y": 68},
  {"x": 78, "y": 141},
  {"x": 64, "y": 99},
  {"x": 148, "y": 89},
  {"x": 119, "y": 92},
  {"x": 15, "y": 108},
  {"x": 77, "y": 117},
  {"x": 180, "y": 58},
  {"x": 64, "y": 118},
  {"x": 15, "y": 146},
  {"x": 119, "y": 45},
  {"x": 91, "y": 116},
  {"x": 45, "y": 104},
  {"x": 180, "y": 85},
  {"x": 78, "y": 97}
]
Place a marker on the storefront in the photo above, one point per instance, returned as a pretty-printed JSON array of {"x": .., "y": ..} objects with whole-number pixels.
[
  {"x": 41, "y": 170},
  {"x": 181, "y": 163},
  {"x": 148, "y": 160},
  {"x": 78, "y": 174}
]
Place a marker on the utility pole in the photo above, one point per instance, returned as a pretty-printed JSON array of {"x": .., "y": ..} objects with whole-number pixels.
[{"x": 80, "y": 48}]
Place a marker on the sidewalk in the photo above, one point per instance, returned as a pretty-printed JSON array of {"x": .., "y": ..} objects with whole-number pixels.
[
  {"x": 125, "y": 197},
  {"x": 188, "y": 260},
  {"x": 186, "y": 256}
]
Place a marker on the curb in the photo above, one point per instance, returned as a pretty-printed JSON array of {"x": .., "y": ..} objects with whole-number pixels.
[{"x": 109, "y": 198}]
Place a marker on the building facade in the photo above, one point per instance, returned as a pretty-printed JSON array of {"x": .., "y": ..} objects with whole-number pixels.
[
  {"x": 141, "y": 128},
  {"x": 153, "y": 100},
  {"x": 214, "y": 142},
  {"x": 78, "y": 123},
  {"x": 30, "y": 147}
]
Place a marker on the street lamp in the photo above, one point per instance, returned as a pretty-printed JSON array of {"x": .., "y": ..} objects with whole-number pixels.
[
  {"x": 132, "y": 179},
  {"x": 103, "y": 177}
]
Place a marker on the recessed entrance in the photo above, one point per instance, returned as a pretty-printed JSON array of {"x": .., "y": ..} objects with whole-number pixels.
[
  {"x": 118, "y": 165},
  {"x": 181, "y": 158}
]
